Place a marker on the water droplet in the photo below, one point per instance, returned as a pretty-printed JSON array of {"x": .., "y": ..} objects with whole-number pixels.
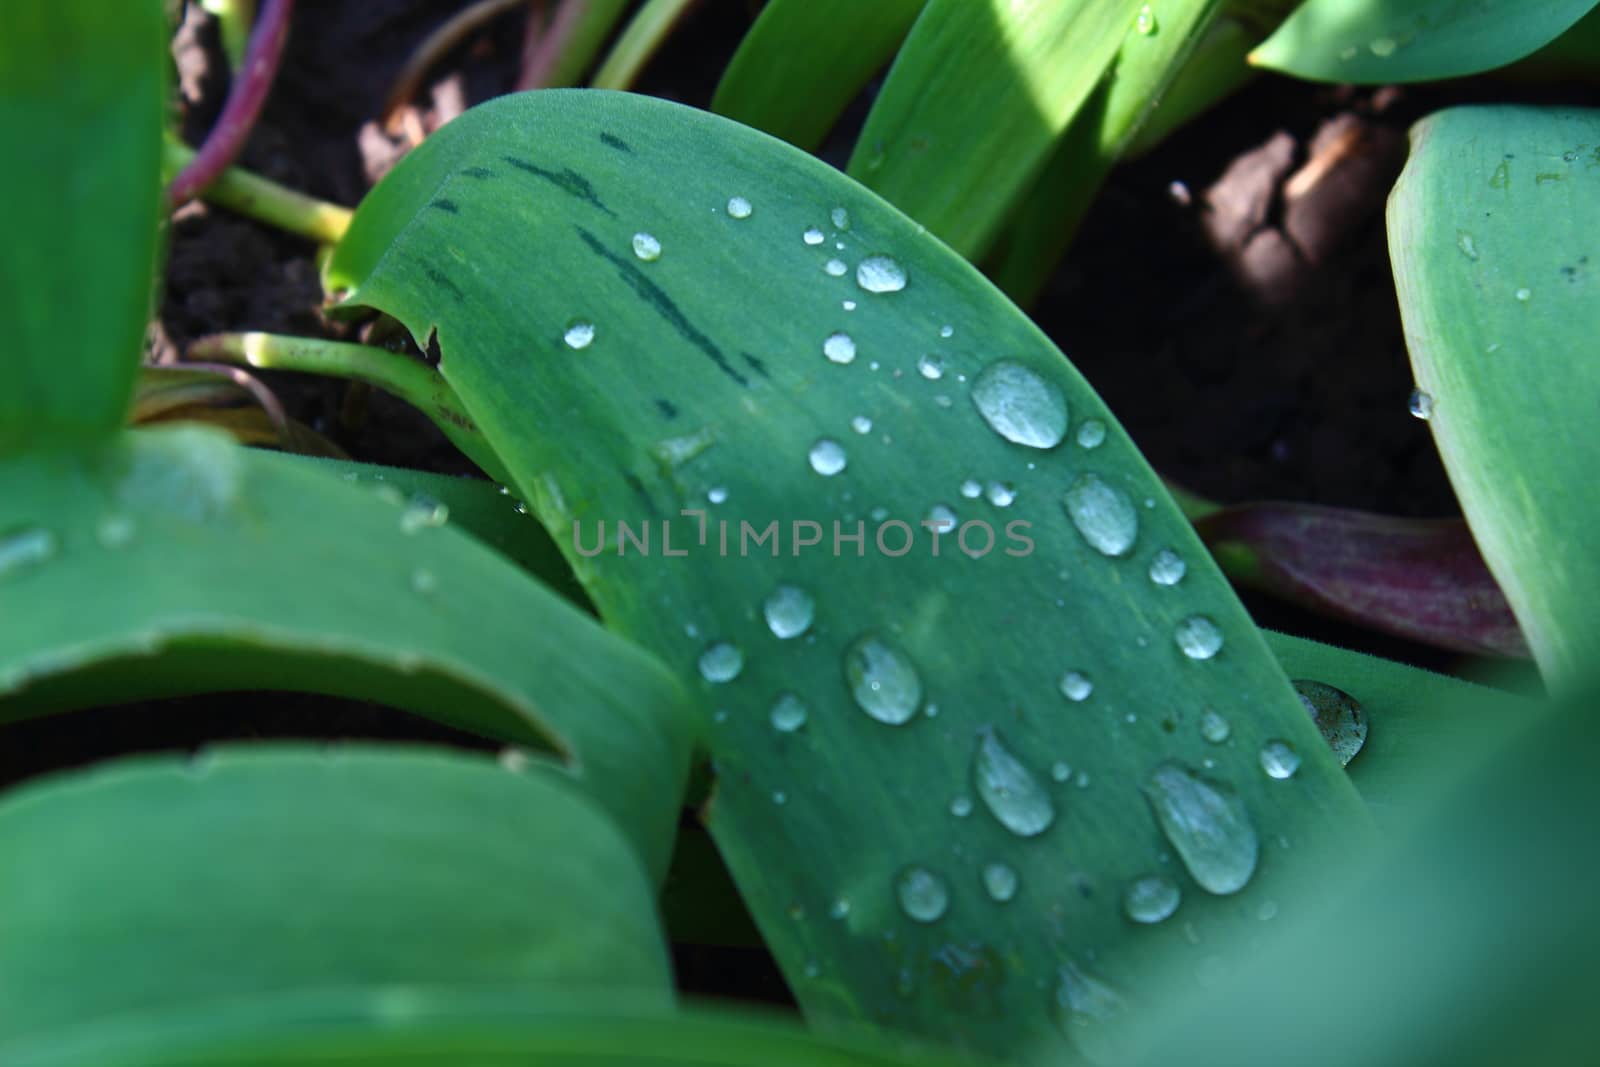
[
  {"x": 1020, "y": 406},
  {"x": 1092, "y": 434},
  {"x": 1198, "y": 637},
  {"x": 423, "y": 513},
  {"x": 840, "y": 217},
  {"x": 1103, "y": 514},
  {"x": 780, "y": 798},
  {"x": 1268, "y": 911},
  {"x": 882, "y": 680},
  {"x": 1468, "y": 246},
  {"x": 1524, "y": 295},
  {"x": 739, "y": 207},
  {"x": 1001, "y": 494},
  {"x": 827, "y": 457},
  {"x": 1000, "y": 881},
  {"x": 1151, "y": 899},
  {"x": 1383, "y": 47},
  {"x": 836, "y": 268},
  {"x": 971, "y": 489},
  {"x": 789, "y": 612},
  {"x": 1008, "y": 789},
  {"x": 1337, "y": 715},
  {"x": 513, "y": 759},
  {"x": 25, "y": 548},
  {"x": 813, "y": 236},
  {"x": 1207, "y": 824},
  {"x": 1167, "y": 567},
  {"x": 721, "y": 662},
  {"x": 840, "y": 347},
  {"x": 1146, "y": 22},
  {"x": 788, "y": 713},
  {"x": 1420, "y": 405},
  {"x": 880, "y": 274},
  {"x": 944, "y": 518},
  {"x": 646, "y": 247},
  {"x": 1060, "y": 770},
  {"x": 1091, "y": 1014},
  {"x": 961, "y": 806},
  {"x": 115, "y": 530},
  {"x": 1213, "y": 727},
  {"x": 1076, "y": 686},
  {"x": 848, "y": 305},
  {"x": 424, "y": 581},
  {"x": 931, "y": 367},
  {"x": 923, "y": 896},
  {"x": 1279, "y": 759},
  {"x": 947, "y": 331},
  {"x": 717, "y": 494},
  {"x": 579, "y": 335},
  {"x": 861, "y": 424}
]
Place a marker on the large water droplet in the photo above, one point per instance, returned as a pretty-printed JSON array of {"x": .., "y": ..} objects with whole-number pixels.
[
  {"x": 1146, "y": 23},
  {"x": 1009, "y": 790},
  {"x": 1103, "y": 514},
  {"x": 1150, "y": 899},
  {"x": 1279, "y": 759},
  {"x": 25, "y": 548},
  {"x": 1092, "y": 1015},
  {"x": 827, "y": 457},
  {"x": 1198, "y": 637},
  {"x": 1420, "y": 405},
  {"x": 646, "y": 247},
  {"x": 839, "y": 347},
  {"x": 1207, "y": 824},
  {"x": 813, "y": 236},
  {"x": 789, "y": 611},
  {"x": 1000, "y": 881},
  {"x": 1213, "y": 727},
  {"x": 923, "y": 896},
  {"x": 739, "y": 207},
  {"x": 579, "y": 335},
  {"x": 883, "y": 680},
  {"x": 880, "y": 274},
  {"x": 721, "y": 662},
  {"x": 1337, "y": 715},
  {"x": 1167, "y": 567},
  {"x": 423, "y": 513},
  {"x": 1020, "y": 406},
  {"x": 1076, "y": 686},
  {"x": 788, "y": 714}
]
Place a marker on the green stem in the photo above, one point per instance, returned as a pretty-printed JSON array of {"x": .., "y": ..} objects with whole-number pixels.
[
  {"x": 234, "y": 18},
  {"x": 644, "y": 36},
  {"x": 416, "y": 384},
  {"x": 265, "y": 201}
]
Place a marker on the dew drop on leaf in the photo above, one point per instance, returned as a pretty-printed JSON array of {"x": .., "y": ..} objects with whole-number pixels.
[
  {"x": 922, "y": 894},
  {"x": 1103, "y": 514},
  {"x": 1198, "y": 637},
  {"x": 739, "y": 208},
  {"x": 813, "y": 236},
  {"x": 1001, "y": 494},
  {"x": 930, "y": 367},
  {"x": 1000, "y": 882},
  {"x": 840, "y": 347},
  {"x": 717, "y": 494},
  {"x": 1019, "y": 405},
  {"x": 646, "y": 247},
  {"x": 1279, "y": 759},
  {"x": 423, "y": 513},
  {"x": 1167, "y": 567},
  {"x": 1213, "y": 727},
  {"x": 424, "y": 581},
  {"x": 115, "y": 530},
  {"x": 1383, "y": 47},
  {"x": 1150, "y": 899},
  {"x": 961, "y": 806},
  {"x": 971, "y": 489},
  {"x": 1091, "y": 434},
  {"x": 721, "y": 662},
  {"x": 1076, "y": 686},
  {"x": 1337, "y": 715},
  {"x": 1206, "y": 823},
  {"x": 840, "y": 217},
  {"x": 25, "y": 548},
  {"x": 1008, "y": 789},
  {"x": 836, "y": 268},
  {"x": 1420, "y": 405},
  {"x": 788, "y": 714},
  {"x": 1091, "y": 1015},
  {"x": 579, "y": 335},
  {"x": 882, "y": 680},
  {"x": 827, "y": 457},
  {"x": 789, "y": 611},
  {"x": 1146, "y": 23},
  {"x": 880, "y": 274}
]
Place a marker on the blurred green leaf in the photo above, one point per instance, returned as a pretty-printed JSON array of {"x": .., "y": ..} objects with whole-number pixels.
[
  {"x": 174, "y": 562},
  {"x": 158, "y": 883},
  {"x": 975, "y": 103},
  {"x": 623, "y": 385},
  {"x": 82, "y": 95},
  {"x": 804, "y": 61},
  {"x": 1379, "y": 42},
  {"x": 1494, "y": 232}
]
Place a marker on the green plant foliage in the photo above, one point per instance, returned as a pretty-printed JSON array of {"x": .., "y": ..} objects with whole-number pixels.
[
  {"x": 161, "y": 883},
  {"x": 1383, "y": 41},
  {"x": 804, "y": 61},
  {"x": 666, "y": 350},
  {"x": 974, "y": 104},
  {"x": 215, "y": 568},
  {"x": 1494, "y": 232},
  {"x": 81, "y": 99}
]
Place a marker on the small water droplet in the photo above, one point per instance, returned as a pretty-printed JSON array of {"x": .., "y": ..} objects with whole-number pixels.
[
  {"x": 721, "y": 662},
  {"x": 788, "y": 714},
  {"x": 1167, "y": 567},
  {"x": 789, "y": 611},
  {"x": 780, "y": 798},
  {"x": 579, "y": 335},
  {"x": 1268, "y": 911},
  {"x": 513, "y": 759},
  {"x": 1524, "y": 295},
  {"x": 947, "y": 331},
  {"x": 961, "y": 806},
  {"x": 1008, "y": 789},
  {"x": 836, "y": 268},
  {"x": 882, "y": 680},
  {"x": 115, "y": 530},
  {"x": 25, "y": 548},
  {"x": 1001, "y": 494},
  {"x": 424, "y": 581},
  {"x": 1468, "y": 246},
  {"x": 861, "y": 424},
  {"x": 840, "y": 347},
  {"x": 1076, "y": 686},
  {"x": 646, "y": 247},
  {"x": 1091, "y": 1015},
  {"x": 1151, "y": 899},
  {"x": 930, "y": 367},
  {"x": 423, "y": 513},
  {"x": 1279, "y": 759},
  {"x": 1337, "y": 715},
  {"x": 880, "y": 274},
  {"x": 1000, "y": 881},
  {"x": 923, "y": 896},
  {"x": 1146, "y": 22},
  {"x": 1383, "y": 47},
  {"x": 813, "y": 236},
  {"x": 848, "y": 305},
  {"x": 1198, "y": 637},
  {"x": 1213, "y": 727},
  {"x": 1208, "y": 826},
  {"x": 943, "y": 517},
  {"x": 840, "y": 908},
  {"x": 1103, "y": 514},
  {"x": 717, "y": 494},
  {"x": 1020, "y": 406},
  {"x": 1091, "y": 434},
  {"x": 971, "y": 489},
  {"x": 1420, "y": 405},
  {"x": 739, "y": 207},
  {"x": 827, "y": 457},
  {"x": 1060, "y": 770},
  {"x": 840, "y": 217}
]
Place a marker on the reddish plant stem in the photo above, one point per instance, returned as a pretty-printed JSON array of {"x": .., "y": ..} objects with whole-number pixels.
[
  {"x": 543, "y": 45},
  {"x": 433, "y": 48},
  {"x": 251, "y": 84}
]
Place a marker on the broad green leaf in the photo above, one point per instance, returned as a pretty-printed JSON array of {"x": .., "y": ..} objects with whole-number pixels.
[
  {"x": 174, "y": 562},
  {"x": 1379, "y": 42},
  {"x": 81, "y": 100},
  {"x": 1494, "y": 233},
  {"x": 976, "y": 101},
  {"x": 698, "y": 380},
  {"x": 804, "y": 61},
  {"x": 156, "y": 882}
]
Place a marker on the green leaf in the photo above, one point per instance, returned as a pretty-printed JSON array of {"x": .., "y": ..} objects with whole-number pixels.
[
  {"x": 705, "y": 370},
  {"x": 82, "y": 95},
  {"x": 804, "y": 61},
  {"x": 1494, "y": 233},
  {"x": 974, "y": 104},
  {"x": 175, "y": 562},
  {"x": 156, "y": 883},
  {"x": 1378, "y": 42}
]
